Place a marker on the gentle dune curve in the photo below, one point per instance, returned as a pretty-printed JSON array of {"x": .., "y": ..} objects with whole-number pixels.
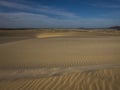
[
  {"x": 63, "y": 62},
  {"x": 52, "y": 52}
]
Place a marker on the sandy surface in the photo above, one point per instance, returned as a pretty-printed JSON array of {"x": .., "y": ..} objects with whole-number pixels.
[
  {"x": 63, "y": 61},
  {"x": 61, "y": 51},
  {"x": 106, "y": 79}
]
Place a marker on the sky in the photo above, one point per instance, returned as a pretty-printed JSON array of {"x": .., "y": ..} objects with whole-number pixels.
[{"x": 59, "y": 13}]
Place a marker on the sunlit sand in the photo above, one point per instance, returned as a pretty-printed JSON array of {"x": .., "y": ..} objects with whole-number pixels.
[{"x": 68, "y": 60}]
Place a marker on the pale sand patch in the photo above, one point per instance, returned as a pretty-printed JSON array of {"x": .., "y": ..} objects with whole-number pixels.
[
  {"x": 55, "y": 34},
  {"x": 38, "y": 72},
  {"x": 48, "y": 35}
]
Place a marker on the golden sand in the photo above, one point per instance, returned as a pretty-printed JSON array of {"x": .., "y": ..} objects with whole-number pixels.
[
  {"x": 89, "y": 80},
  {"x": 67, "y": 61}
]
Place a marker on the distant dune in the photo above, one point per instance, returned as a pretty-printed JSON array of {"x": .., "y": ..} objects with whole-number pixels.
[{"x": 60, "y": 60}]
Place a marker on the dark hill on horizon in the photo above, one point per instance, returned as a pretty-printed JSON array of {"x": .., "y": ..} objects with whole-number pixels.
[
  {"x": 115, "y": 27},
  {"x": 112, "y": 27}
]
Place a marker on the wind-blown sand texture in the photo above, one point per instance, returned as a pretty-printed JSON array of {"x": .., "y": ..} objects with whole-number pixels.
[{"x": 71, "y": 60}]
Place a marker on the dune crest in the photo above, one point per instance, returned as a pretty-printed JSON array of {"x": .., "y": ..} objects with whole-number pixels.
[{"x": 48, "y": 35}]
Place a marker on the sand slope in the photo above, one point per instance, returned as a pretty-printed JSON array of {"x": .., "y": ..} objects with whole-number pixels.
[
  {"x": 61, "y": 51},
  {"x": 61, "y": 62}
]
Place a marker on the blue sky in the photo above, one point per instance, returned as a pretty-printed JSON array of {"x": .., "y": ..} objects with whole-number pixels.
[{"x": 59, "y": 13}]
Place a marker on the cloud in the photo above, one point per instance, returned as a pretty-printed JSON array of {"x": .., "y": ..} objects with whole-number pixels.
[
  {"x": 37, "y": 8},
  {"x": 41, "y": 16},
  {"x": 112, "y": 14},
  {"x": 21, "y": 19},
  {"x": 24, "y": 20},
  {"x": 103, "y": 5}
]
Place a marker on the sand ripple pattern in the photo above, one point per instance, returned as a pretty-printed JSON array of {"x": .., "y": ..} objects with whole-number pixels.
[
  {"x": 106, "y": 79},
  {"x": 21, "y": 73},
  {"x": 62, "y": 63}
]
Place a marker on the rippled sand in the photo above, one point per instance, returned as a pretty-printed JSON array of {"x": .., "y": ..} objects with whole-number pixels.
[
  {"x": 89, "y": 80},
  {"x": 61, "y": 61}
]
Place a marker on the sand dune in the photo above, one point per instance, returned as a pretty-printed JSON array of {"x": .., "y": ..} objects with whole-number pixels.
[
  {"x": 67, "y": 61},
  {"x": 61, "y": 51}
]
